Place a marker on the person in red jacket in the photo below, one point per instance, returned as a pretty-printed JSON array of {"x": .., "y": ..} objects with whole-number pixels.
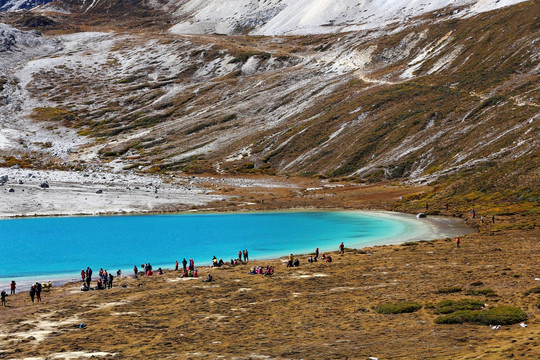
[
  {"x": 458, "y": 241},
  {"x": 13, "y": 287}
]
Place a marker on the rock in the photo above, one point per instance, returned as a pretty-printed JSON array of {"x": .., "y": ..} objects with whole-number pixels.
[
  {"x": 421, "y": 215},
  {"x": 3, "y": 179},
  {"x": 21, "y": 182},
  {"x": 99, "y": 192},
  {"x": 11, "y": 190},
  {"x": 44, "y": 185}
]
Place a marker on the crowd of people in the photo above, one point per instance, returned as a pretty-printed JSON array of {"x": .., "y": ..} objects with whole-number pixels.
[
  {"x": 104, "y": 280},
  {"x": 258, "y": 270}
]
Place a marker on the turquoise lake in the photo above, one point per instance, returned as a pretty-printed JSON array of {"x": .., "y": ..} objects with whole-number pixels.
[{"x": 59, "y": 247}]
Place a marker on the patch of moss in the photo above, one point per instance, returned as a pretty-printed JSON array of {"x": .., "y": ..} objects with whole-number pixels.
[
  {"x": 398, "y": 308},
  {"x": 449, "y": 290},
  {"x": 450, "y": 306},
  {"x": 502, "y": 315}
]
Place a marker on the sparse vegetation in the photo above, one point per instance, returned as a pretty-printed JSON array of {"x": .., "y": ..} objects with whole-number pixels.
[
  {"x": 481, "y": 292},
  {"x": 534, "y": 290}
]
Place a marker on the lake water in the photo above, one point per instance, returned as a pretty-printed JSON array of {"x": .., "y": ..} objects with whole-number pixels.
[{"x": 59, "y": 247}]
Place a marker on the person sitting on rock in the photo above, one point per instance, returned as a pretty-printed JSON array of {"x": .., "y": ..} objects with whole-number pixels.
[
  {"x": 328, "y": 258},
  {"x": 208, "y": 279},
  {"x": 296, "y": 263}
]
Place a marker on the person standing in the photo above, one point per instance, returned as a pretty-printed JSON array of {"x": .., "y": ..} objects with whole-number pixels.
[
  {"x": 247, "y": 256},
  {"x": 184, "y": 264},
  {"x": 341, "y": 248},
  {"x": 458, "y": 242},
  {"x": 176, "y": 266},
  {"x": 83, "y": 275},
  {"x": 473, "y": 213},
  {"x": 13, "y": 286},
  {"x": 493, "y": 219},
  {"x": 105, "y": 279},
  {"x": 110, "y": 280},
  {"x": 3, "y": 297},
  {"x": 135, "y": 271},
  {"x": 88, "y": 276},
  {"x": 316, "y": 254},
  {"x": 32, "y": 293},
  {"x": 38, "y": 291},
  {"x": 239, "y": 255}
]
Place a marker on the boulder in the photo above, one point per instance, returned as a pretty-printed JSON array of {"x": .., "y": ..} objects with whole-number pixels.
[
  {"x": 44, "y": 185},
  {"x": 421, "y": 215}
]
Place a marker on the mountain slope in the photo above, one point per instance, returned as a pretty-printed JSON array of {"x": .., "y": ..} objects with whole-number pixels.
[
  {"x": 440, "y": 99},
  {"x": 303, "y": 17},
  {"x": 15, "y": 5}
]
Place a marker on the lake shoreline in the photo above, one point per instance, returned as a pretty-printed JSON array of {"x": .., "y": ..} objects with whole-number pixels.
[{"x": 424, "y": 229}]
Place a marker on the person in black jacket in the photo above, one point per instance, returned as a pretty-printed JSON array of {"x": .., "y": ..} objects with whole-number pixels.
[
  {"x": 3, "y": 296},
  {"x": 32, "y": 292}
]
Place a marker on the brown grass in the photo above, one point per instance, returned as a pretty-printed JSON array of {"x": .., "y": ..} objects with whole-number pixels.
[{"x": 315, "y": 311}]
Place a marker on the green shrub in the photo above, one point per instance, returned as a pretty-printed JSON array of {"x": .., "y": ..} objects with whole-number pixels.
[
  {"x": 449, "y": 290},
  {"x": 484, "y": 292},
  {"x": 503, "y": 315},
  {"x": 398, "y": 308},
  {"x": 450, "y": 306}
]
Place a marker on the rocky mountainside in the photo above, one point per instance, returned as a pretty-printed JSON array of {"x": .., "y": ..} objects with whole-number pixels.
[
  {"x": 15, "y": 5},
  {"x": 306, "y": 17},
  {"x": 441, "y": 97}
]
